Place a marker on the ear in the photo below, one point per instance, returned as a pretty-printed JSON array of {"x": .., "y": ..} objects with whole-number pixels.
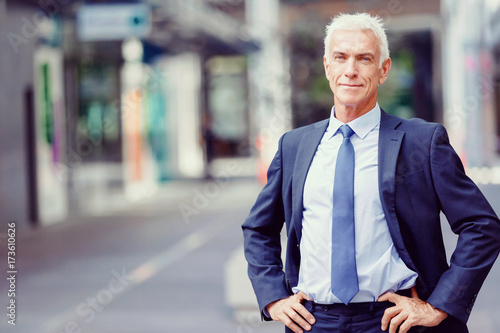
[
  {"x": 384, "y": 71},
  {"x": 327, "y": 66}
]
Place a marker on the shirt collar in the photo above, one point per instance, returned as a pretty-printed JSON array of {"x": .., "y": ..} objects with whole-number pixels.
[{"x": 361, "y": 125}]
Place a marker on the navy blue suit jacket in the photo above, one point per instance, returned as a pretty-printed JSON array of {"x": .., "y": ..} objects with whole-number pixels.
[{"x": 420, "y": 175}]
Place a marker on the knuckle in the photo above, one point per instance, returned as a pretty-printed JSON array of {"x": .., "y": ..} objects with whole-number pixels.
[
  {"x": 294, "y": 316},
  {"x": 397, "y": 321},
  {"x": 404, "y": 329}
]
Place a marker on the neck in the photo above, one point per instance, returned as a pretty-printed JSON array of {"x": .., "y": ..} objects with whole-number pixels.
[{"x": 346, "y": 113}]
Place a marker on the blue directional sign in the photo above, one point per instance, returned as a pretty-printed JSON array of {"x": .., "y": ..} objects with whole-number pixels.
[{"x": 113, "y": 21}]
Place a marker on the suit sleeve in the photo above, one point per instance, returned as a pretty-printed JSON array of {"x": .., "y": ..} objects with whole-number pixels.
[
  {"x": 472, "y": 218},
  {"x": 261, "y": 231}
]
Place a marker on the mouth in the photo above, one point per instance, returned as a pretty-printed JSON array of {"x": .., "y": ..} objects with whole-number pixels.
[{"x": 350, "y": 85}]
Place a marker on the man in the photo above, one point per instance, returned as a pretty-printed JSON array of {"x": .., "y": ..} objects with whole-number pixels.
[{"x": 361, "y": 195}]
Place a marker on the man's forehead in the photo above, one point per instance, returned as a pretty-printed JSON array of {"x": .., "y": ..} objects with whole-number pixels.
[
  {"x": 363, "y": 41},
  {"x": 354, "y": 35}
]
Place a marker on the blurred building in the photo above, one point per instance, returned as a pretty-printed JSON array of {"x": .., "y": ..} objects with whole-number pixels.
[
  {"x": 118, "y": 97},
  {"x": 445, "y": 67},
  {"x": 105, "y": 97},
  {"x": 471, "y": 68}
]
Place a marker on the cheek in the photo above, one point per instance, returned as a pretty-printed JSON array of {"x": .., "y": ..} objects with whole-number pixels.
[{"x": 333, "y": 73}]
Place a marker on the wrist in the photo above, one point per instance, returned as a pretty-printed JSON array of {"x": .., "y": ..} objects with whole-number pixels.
[
  {"x": 269, "y": 307},
  {"x": 440, "y": 314}
]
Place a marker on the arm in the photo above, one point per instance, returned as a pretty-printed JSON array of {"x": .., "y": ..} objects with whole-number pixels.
[
  {"x": 261, "y": 231},
  {"x": 262, "y": 244},
  {"x": 472, "y": 218}
]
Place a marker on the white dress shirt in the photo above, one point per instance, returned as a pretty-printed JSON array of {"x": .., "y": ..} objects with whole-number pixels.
[{"x": 379, "y": 266}]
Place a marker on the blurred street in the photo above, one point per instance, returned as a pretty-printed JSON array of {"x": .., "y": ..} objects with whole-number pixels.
[
  {"x": 149, "y": 268},
  {"x": 142, "y": 268}
]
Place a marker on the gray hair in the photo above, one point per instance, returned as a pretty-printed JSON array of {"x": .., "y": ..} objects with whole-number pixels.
[{"x": 354, "y": 22}]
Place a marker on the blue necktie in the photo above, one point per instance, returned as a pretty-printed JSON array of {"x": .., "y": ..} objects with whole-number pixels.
[{"x": 344, "y": 275}]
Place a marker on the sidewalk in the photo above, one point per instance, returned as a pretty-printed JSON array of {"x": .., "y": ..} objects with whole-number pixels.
[
  {"x": 152, "y": 246},
  {"x": 160, "y": 265},
  {"x": 96, "y": 197}
]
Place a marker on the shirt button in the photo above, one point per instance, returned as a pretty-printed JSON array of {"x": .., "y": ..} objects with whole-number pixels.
[{"x": 325, "y": 308}]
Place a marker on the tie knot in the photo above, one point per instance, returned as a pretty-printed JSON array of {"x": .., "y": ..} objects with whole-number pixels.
[{"x": 346, "y": 131}]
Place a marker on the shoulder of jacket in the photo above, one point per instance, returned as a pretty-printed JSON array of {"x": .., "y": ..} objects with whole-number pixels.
[
  {"x": 419, "y": 125},
  {"x": 300, "y": 131}
]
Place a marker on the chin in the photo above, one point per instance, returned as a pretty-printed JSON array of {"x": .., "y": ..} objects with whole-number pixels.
[{"x": 349, "y": 101}]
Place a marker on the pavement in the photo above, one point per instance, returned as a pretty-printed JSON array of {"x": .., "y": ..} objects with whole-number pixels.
[{"x": 158, "y": 265}]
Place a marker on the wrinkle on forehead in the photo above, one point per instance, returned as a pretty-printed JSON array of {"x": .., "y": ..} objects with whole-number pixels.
[{"x": 355, "y": 41}]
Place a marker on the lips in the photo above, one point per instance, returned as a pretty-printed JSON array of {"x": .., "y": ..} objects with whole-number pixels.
[{"x": 350, "y": 85}]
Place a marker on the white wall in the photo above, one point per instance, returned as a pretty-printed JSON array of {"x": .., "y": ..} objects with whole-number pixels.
[{"x": 16, "y": 71}]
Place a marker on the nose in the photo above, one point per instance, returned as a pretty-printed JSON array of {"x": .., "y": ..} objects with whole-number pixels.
[{"x": 351, "y": 70}]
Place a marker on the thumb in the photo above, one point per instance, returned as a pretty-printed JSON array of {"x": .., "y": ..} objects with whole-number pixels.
[
  {"x": 302, "y": 295},
  {"x": 388, "y": 296}
]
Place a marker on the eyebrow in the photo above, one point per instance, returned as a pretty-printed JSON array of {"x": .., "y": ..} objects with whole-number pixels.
[{"x": 364, "y": 54}]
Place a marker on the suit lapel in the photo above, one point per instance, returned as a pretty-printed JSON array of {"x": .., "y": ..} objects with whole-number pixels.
[
  {"x": 390, "y": 140},
  {"x": 305, "y": 153}
]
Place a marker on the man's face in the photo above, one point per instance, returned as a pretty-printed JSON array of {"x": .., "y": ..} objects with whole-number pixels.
[{"x": 353, "y": 69}]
